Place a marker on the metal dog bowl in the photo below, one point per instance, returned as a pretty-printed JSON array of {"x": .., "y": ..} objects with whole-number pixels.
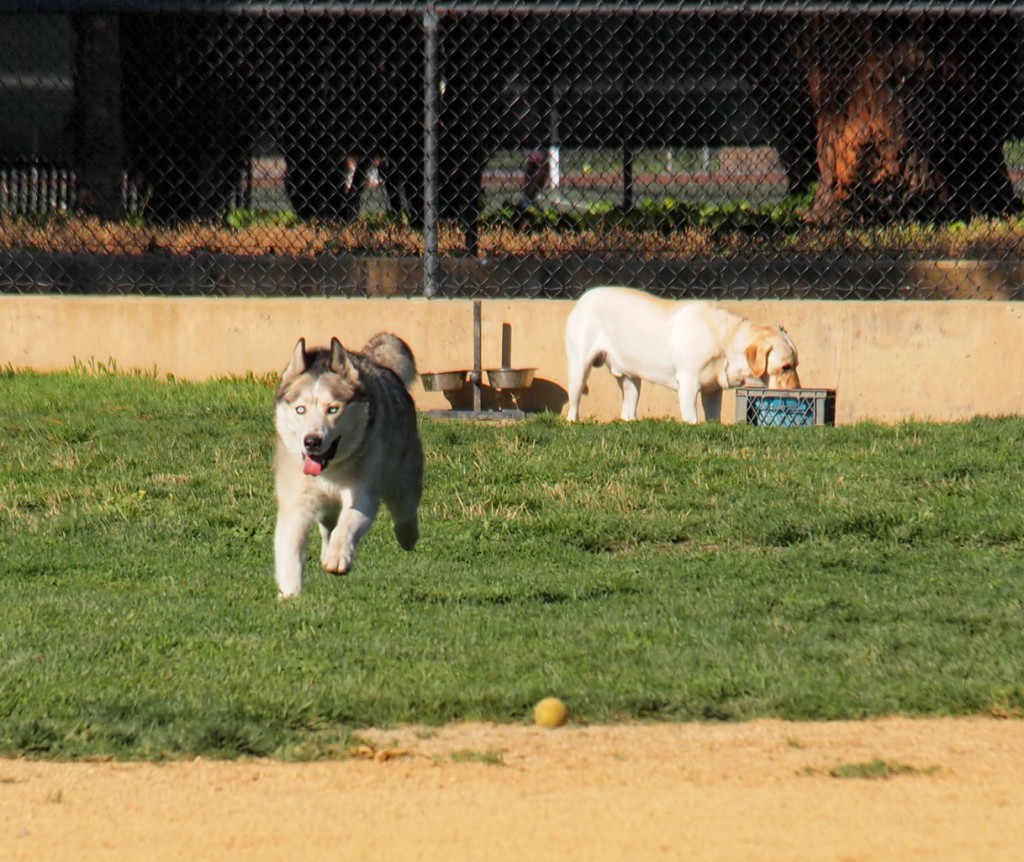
[
  {"x": 442, "y": 381},
  {"x": 510, "y": 378}
]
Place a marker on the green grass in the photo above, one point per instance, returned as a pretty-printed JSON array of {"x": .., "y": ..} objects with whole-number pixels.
[
  {"x": 646, "y": 571},
  {"x": 877, "y": 769}
]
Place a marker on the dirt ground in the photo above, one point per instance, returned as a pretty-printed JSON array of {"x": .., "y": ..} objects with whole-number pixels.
[{"x": 765, "y": 790}]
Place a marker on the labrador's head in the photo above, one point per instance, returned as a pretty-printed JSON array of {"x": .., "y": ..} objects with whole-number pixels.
[{"x": 772, "y": 357}]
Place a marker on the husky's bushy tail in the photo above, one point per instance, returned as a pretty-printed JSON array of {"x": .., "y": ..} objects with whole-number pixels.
[{"x": 389, "y": 351}]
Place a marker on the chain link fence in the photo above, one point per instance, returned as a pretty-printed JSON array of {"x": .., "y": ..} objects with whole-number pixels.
[{"x": 706, "y": 149}]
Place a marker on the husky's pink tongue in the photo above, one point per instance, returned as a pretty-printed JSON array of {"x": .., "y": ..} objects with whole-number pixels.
[{"x": 311, "y": 467}]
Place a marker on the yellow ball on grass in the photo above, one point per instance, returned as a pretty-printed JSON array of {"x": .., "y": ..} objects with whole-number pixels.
[{"x": 550, "y": 712}]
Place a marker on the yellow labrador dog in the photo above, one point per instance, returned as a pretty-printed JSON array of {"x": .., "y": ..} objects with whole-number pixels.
[{"x": 693, "y": 347}]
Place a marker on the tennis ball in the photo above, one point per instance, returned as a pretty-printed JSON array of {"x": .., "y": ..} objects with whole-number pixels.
[{"x": 550, "y": 712}]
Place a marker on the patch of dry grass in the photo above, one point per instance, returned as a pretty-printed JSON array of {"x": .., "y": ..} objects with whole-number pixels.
[{"x": 643, "y": 239}]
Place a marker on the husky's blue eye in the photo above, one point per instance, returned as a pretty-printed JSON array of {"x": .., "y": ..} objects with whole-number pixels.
[
  {"x": 300, "y": 409},
  {"x": 334, "y": 408}
]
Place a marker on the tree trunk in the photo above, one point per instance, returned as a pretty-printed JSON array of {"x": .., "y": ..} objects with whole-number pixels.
[
  {"x": 910, "y": 116},
  {"x": 97, "y": 148},
  {"x": 764, "y": 47}
]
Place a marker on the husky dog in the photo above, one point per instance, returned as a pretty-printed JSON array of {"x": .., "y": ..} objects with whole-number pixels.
[{"x": 346, "y": 440}]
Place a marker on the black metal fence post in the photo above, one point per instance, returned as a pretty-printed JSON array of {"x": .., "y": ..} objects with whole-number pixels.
[{"x": 431, "y": 127}]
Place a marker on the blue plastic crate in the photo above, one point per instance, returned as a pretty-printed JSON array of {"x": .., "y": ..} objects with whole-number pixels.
[{"x": 785, "y": 408}]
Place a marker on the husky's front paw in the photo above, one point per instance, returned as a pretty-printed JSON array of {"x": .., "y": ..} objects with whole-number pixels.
[
  {"x": 337, "y": 562},
  {"x": 339, "y": 545},
  {"x": 289, "y": 584}
]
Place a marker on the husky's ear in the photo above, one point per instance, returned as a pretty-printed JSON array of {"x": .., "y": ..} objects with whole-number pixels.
[
  {"x": 297, "y": 365},
  {"x": 340, "y": 363}
]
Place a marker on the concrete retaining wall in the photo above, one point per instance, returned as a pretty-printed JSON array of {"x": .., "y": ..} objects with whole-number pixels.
[{"x": 889, "y": 361}]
